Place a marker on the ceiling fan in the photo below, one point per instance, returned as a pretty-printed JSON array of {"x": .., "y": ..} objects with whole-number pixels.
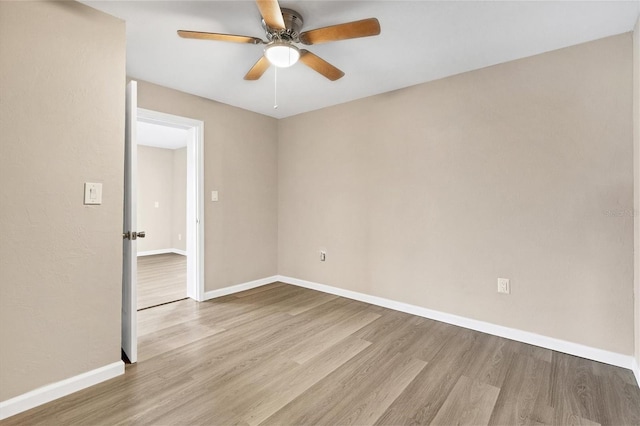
[{"x": 282, "y": 28}]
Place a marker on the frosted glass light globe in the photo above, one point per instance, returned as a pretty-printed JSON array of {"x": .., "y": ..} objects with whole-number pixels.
[{"x": 281, "y": 55}]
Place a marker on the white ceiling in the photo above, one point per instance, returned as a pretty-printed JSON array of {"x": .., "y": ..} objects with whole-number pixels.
[
  {"x": 161, "y": 136},
  {"x": 420, "y": 41}
]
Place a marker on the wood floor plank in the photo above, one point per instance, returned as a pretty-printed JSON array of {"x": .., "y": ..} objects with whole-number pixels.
[
  {"x": 543, "y": 354},
  {"x": 424, "y": 396},
  {"x": 574, "y": 420},
  {"x": 154, "y": 344},
  {"x": 367, "y": 405},
  {"x": 260, "y": 289},
  {"x": 237, "y": 386},
  {"x": 152, "y": 320},
  {"x": 307, "y": 349},
  {"x": 616, "y": 374},
  {"x": 303, "y": 306},
  {"x": 306, "y": 324},
  {"x": 108, "y": 403},
  {"x": 360, "y": 372},
  {"x": 327, "y": 393},
  {"x": 491, "y": 361},
  {"x": 521, "y": 400},
  {"x": 387, "y": 323},
  {"x": 618, "y": 397},
  {"x": 224, "y": 312},
  {"x": 183, "y": 311},
  {"x": 161, "y": 278},
  {"x": 574, "y": 391},
  {"x": 290, "y": 385},
  {"x": 429, "y": 342},
  {"x": 543, "y": 414},
  {"x": 469, "y": 403}
]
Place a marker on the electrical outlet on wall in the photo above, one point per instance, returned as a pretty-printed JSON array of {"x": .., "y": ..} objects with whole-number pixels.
[
  {"x": 504, "y": 286},
  {"x": 323, "y": 255}
]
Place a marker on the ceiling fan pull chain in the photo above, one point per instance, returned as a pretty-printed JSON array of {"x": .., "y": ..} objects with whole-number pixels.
[{"x": 275, "y": 87}]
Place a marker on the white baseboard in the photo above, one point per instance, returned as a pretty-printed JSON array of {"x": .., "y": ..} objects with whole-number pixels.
[
  {"x": 48, "y": 393},
  {"x": 636, "y": 370},
  {"x": 161, "y": 251},
  {"x": 239, "y": 287},
  {"x": 600, "y": 355}
]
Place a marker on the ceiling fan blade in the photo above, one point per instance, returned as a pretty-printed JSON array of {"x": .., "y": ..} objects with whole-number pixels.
[
  {"x": 320, "y": 65},
  {"x": 271, "y": 13},
  {"x": 355, "y": 29},
  {"x": 220, "y": 37},
  {"x": 257, "y": 69}
]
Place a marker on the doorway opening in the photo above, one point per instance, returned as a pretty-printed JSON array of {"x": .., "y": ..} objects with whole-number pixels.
[
  {"x": 170, "y": 178},
  {"x": 162, "y": 213}
]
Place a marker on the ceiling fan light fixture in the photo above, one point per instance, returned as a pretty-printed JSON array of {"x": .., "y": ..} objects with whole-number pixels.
[{"x": 281, "y": 54}]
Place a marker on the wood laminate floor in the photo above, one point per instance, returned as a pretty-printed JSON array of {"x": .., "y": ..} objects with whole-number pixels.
[
  {"x": 162, "y": 278},
  {"x": 283, "y": 355}
]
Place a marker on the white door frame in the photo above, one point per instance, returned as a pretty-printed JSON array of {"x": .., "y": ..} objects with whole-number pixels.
[{"x": 195, "y": 194}]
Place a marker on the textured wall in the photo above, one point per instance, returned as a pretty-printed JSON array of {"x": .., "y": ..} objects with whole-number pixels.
[
  {"x": 155, "y": 184},
  {"x": 62, "y": 85},
  {"x": 240, "y": 161},
  {"x": 427, "y": 195},
  {"x": 162, "y": 178}
]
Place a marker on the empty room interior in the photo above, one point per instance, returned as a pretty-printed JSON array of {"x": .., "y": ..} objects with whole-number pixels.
[{"x": 319, "y": 212}]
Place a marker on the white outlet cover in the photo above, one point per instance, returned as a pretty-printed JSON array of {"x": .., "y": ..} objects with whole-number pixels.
[{"x": 504, "y": 286}]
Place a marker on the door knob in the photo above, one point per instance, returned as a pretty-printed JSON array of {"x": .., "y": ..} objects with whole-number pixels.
[{"x": 133, "y": 235}]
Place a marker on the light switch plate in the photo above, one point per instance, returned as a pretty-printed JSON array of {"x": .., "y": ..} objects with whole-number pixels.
[{"x": 92, "y": 193}]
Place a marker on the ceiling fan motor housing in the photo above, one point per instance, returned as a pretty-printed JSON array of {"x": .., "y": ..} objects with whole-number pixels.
[{"x": 293, "y": 24}]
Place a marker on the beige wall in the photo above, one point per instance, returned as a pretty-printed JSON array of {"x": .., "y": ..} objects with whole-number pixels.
[
  {"x": 636, "y": 168},
  {"x": 155, "y": 181},
  {"x": 62, "y": 79},
  {"x": 427, "y": 195},
  {"x": 162, "y": 179},
  {"x": 179, "y": 200},
  {"x": 240, "y": 161}
]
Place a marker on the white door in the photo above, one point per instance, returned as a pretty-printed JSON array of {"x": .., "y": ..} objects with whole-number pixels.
[{"x": 130, "y": 234}]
